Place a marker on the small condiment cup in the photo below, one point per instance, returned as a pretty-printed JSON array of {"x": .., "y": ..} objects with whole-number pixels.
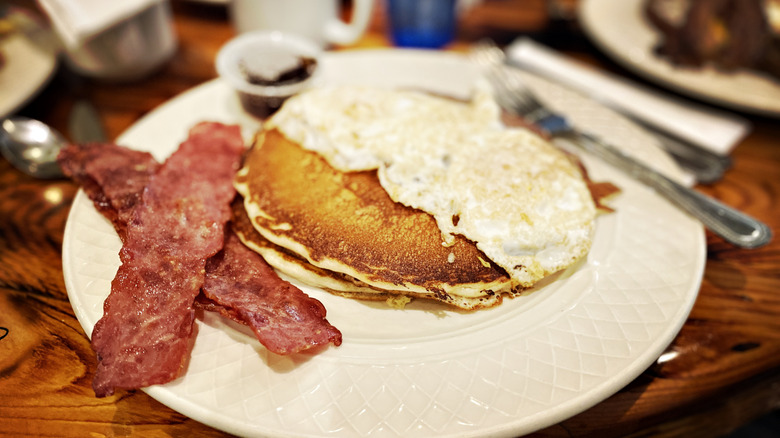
[{"x": 267, "y": 67}]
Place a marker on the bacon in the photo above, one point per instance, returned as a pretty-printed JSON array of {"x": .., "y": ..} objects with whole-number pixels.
[
  {"x": 145, "y": 334},
  {"x": 284, "y": 319},
  {"x": 240, "y": 284},
  {"x": 113, "y": 177}
]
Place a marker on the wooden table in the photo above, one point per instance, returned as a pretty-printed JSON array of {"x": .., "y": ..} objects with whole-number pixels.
[{"x": 725, "y": 367}]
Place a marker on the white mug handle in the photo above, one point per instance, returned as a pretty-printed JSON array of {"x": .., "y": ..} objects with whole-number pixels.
[{"x": 339, "y": 32}]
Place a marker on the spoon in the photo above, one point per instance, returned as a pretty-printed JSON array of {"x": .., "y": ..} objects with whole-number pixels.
[{"x": 31, "y": 146}]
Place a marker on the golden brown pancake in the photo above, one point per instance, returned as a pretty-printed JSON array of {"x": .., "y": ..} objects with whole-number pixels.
[
  {"x": 346, "y": 223},
  {"x": 292, "y": 264}
]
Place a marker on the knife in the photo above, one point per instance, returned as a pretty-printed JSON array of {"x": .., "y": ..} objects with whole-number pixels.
[
  {"x": 706, "y": 166},
  {"x": 84, "y": 123}
]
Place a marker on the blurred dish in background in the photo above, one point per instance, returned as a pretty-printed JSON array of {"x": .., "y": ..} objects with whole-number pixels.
[
  {"x": 730, "y": 35},
  {"x": 28, "y": 58},
  {"x": 317, "y": 20},
  {"x": 623, "y": 32}
]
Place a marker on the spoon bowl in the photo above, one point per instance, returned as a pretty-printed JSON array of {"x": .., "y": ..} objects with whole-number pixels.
[{"x": 31, "y": 146}]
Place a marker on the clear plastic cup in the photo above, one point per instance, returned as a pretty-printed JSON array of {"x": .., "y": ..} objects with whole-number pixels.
[
  {"x": 265, "y": 68},
  {"x": 422, "y": 23}
]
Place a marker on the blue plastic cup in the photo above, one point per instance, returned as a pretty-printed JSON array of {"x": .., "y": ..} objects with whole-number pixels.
[{"x": 422, "y": 23}]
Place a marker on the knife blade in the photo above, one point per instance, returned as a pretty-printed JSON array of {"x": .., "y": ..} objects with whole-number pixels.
[
  {"x": 707, "y": 167},
  {"x": 84, "y": 123}
]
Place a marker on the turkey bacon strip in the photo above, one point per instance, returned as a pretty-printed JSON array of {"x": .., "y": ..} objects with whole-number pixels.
[
  {"x": 145, "y": 334},
  {"x": 114, "y": 177},
  {"x": 284, "y": 319},
  {"x": 239, "y": 284}
]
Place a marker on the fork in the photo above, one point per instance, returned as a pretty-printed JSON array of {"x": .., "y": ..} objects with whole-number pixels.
[{"x": 513, "y": 95}]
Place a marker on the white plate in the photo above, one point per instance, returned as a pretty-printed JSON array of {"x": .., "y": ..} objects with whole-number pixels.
[
  {"x": 427, "y": 370},
  {"x": 621, "y": 31},
  {"x": 30, "y": 61}
]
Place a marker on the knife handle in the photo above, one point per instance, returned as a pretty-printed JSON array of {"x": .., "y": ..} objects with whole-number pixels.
[
  {"x": 732, "y": 225},
  {"x": 707, "y": 167}
]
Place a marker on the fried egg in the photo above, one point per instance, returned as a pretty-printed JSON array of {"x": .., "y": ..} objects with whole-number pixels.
[{"x": 522, "y": 202}]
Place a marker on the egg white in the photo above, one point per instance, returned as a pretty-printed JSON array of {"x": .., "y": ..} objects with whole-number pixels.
[{"x": 517, "y": 197}]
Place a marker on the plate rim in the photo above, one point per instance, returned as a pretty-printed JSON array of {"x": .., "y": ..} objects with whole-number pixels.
[{"x": 524, "y": 425}]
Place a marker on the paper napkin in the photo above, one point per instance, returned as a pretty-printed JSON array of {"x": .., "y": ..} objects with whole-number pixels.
[{"x": 77, "y": 20}]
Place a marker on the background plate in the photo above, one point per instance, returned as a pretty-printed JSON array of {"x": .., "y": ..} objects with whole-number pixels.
[
  {"x": 30, "y": 61},
  {"x": 621, "y": 31},
  {"x": 428, "y": 370}
]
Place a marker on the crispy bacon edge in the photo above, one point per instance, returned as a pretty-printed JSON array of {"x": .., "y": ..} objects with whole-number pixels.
[{"x": 114, "y": 178}]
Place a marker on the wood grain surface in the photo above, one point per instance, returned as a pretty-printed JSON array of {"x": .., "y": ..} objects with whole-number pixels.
[{"x": 721, "y": 371}]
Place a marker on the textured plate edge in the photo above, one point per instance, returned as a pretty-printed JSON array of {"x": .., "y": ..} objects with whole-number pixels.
[{"x": 531, "y": 423}]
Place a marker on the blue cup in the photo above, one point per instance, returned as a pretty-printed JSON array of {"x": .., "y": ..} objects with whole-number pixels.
[{"x": 422, "y": 23}]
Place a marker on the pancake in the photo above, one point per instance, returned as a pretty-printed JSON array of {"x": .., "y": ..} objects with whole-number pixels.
[
  {"x": 346, "y": 223},
  {"x": 380, "y": 192},
  {"x": 520, "y": 199},
  {"x": 336, "y": 283},
  {"x": 292, "y": 264}
]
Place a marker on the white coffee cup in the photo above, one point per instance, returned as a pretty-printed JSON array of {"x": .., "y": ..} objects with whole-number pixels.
[{"x": 317, "y": 20}]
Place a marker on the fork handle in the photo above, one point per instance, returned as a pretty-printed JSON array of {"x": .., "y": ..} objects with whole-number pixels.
[{"x": 730, "y": 224}]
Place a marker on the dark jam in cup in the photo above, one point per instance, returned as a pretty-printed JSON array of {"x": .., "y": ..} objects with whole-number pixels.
[{"x": 275, "y": 79}]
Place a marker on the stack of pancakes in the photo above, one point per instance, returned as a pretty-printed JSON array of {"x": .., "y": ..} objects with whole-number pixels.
[{"x": 342, "y": 231}]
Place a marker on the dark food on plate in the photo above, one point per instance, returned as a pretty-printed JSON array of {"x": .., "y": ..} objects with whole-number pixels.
[
  {"x": 277, "y": 72},
  {"x": 136, "y": 352},
  {"x": 727, "y": 34}
]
